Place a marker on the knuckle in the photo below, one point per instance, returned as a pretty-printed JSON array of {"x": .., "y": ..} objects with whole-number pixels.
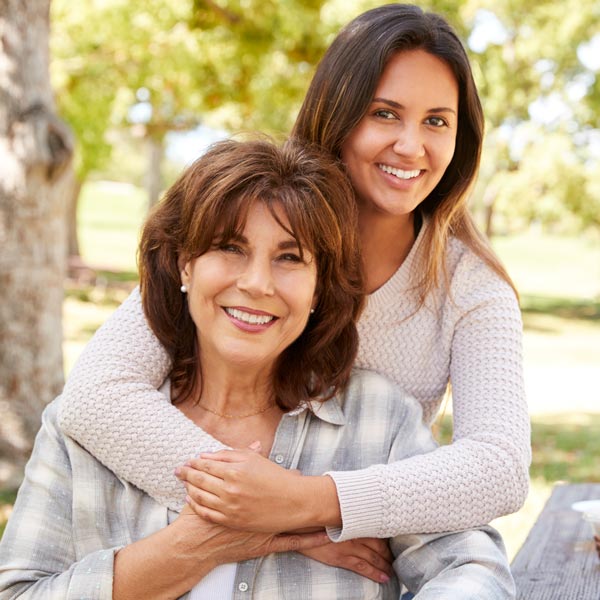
[
  {"x": 293, "y": 543},
  {"x": 360, "y": 565}
]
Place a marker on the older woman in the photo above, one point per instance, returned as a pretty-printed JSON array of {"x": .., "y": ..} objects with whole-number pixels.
[{"x": 250, "y": 277}]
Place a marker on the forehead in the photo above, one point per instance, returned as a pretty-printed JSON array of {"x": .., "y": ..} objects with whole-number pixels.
[{"x": 418, "y": 78}]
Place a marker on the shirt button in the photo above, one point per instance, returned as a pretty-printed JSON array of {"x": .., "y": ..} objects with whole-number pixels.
[
  {"x": 279, "y": 459},
  {"x": 243, "y": 587}
]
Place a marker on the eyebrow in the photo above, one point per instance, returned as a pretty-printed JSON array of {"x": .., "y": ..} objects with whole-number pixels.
[
  {"x": 437, "y": 109},
  {"x": 290, "y": 244}
]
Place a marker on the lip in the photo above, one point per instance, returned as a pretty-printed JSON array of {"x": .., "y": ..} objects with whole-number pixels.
[{"x": 250, "y": 327}]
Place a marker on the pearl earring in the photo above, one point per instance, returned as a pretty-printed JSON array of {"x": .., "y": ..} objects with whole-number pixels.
[
  {"x": 312, "y": 310},
  {"x": 183, "y": 288}
]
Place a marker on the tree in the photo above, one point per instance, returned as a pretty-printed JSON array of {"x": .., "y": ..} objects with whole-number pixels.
[{"x": 35, "y": 157}]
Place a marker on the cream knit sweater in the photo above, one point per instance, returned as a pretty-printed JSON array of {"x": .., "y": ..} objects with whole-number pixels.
[{"x": 471, "y": 337}]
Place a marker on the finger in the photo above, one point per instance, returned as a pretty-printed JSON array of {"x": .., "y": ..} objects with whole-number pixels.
[
  {"x": 366, "y": 569},
  {"x": 223, "y": 455},
  {"x": 209, "y": 514},
  {"x": 213, "y": 467},
  {"x": 205, "y": 499},
  {"x": 380, "y": 546},
  {"x": 198, "y": 479},
  {"x": 296, "y": 542}
]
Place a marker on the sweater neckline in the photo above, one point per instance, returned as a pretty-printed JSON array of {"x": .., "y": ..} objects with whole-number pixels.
[{"x": 400, "y": 281}]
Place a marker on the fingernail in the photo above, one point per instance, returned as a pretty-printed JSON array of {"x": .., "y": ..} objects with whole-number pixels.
[
  {"x": 188, "y": 500},
  {"x": 255, "y": 445},
  {"x": 178, "y": 471},
  {"x": 384, "y": 578}
]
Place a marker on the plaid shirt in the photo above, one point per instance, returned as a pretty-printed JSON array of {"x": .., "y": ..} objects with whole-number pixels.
[{"x": 72, "y": 514}]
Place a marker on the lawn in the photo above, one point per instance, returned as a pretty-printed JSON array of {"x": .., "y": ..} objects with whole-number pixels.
[{"x": 559, "y": 282}]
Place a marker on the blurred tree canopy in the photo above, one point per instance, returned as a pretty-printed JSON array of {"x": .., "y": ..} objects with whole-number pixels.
[{"x": 156, "y": 66}]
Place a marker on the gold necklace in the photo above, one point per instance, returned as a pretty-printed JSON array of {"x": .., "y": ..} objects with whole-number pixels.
[{"x": 227, "y": 416}]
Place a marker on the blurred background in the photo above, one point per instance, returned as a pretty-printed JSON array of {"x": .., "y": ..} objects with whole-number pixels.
[{"x": 145, "y": 86}]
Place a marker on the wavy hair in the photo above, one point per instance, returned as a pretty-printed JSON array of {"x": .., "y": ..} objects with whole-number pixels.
[{"x": 210, "y": 201}]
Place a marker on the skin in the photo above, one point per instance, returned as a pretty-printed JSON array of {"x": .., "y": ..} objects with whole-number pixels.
[{"x": 411, "y": 125}]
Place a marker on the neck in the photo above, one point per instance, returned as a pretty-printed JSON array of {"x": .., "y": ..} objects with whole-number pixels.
[
  {"x": 385, "y": 244},
  {"x": 247, "y": 400}
]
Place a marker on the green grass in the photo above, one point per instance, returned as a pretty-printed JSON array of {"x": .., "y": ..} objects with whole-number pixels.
[{"x": 109, "y": 220}]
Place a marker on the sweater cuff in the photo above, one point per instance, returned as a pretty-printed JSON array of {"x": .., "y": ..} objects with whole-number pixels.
[{"x": 360, "y": 505}]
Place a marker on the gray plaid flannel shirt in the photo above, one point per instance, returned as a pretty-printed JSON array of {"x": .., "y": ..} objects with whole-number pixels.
[{"x": 72, "y": 514}]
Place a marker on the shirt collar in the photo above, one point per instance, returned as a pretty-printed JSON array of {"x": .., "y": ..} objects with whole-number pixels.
[{"x": 329, "y": 411}]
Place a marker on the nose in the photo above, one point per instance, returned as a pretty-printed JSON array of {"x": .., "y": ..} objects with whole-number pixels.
[
  {"x": 256, "y": 279},
  {"x": 409, "y": 142}
]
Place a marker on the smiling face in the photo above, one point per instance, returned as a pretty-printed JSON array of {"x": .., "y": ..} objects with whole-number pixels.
[
  {"x": 250, "y": 297},
  {"x": 402, "y": 146}
]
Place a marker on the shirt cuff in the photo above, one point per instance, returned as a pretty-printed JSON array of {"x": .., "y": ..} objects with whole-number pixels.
[
  {"x": 92, "y": 576},
  {"x": 360, "y": 505}
]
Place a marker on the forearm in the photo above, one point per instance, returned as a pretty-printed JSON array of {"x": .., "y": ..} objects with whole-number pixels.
[{"x": 166, "y": 564}]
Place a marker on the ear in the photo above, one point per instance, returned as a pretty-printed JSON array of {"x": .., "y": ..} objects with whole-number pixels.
[{"x": 185, "y": 268}]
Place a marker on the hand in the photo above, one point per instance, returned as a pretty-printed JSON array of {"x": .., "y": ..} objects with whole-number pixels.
[
  {"x": 220, "y": 545},
  {"x": 244, "y": 490},
  {"x": 369, "y": 557}
]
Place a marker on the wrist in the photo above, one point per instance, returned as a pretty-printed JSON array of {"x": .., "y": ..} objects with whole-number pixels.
[{"x": 321, "y": 506}]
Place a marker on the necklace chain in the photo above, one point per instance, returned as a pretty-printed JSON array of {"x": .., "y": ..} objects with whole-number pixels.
[{"x": 243, "y": 416}]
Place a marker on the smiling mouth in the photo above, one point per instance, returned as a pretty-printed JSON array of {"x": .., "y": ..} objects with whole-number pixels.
[
  {"x": 399, "y": 173},
  {"x": 249, "y": 318}
]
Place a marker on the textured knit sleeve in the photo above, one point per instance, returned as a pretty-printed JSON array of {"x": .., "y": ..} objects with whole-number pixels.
[
  {"x": 483, "y": 473},
  {"x": 37, "y": 555},
  {"x": 111, "y": 406}
]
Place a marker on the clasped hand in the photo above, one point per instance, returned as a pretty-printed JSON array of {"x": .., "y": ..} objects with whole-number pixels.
[{"x": 243, "y": 490}]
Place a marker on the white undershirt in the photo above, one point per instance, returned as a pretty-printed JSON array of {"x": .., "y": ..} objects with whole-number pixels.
[{"x": 216, "y": 585}]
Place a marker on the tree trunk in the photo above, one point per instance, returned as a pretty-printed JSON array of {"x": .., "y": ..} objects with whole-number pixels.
[
  {"x": 153, "y": 176},
  {"x": 35, "y": 159},
  {"x": 73, "y": 203}
]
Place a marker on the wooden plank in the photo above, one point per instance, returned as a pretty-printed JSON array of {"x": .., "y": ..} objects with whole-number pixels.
[{"x": 558, "y": 560}]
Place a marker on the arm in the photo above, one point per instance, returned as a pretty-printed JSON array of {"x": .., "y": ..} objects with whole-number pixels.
[
  {"x": 471, "y": 565},
  {"x": 483, "y": 473},
  {"x": 112, "y": 389},
  {"x": 37, "y": 553},
  {"x": 41, "y": 550}
]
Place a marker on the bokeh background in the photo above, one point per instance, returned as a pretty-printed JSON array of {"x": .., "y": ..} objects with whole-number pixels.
[{"x": 146, "y": 85}]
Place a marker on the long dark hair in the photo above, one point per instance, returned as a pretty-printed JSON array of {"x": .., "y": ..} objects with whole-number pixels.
[
  {"x": 211, "y": 200},
  {"x": 343, "y": 88}
]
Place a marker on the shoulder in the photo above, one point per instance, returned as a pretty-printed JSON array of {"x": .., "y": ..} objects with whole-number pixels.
[{"x": 473, "y": 283}]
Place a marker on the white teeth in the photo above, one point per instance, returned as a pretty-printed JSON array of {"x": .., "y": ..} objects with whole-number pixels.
[
  {"x": 248, "y": 318},
  {"x": 399, "y": 172}
]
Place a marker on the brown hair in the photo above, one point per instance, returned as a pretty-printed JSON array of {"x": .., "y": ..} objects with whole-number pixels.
[
  {"x": 343, "y": 88},
  {"x": 210, "y": 201}
]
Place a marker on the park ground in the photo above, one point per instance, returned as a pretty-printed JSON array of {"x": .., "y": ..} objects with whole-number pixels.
[{"x": 559, "y": 281}]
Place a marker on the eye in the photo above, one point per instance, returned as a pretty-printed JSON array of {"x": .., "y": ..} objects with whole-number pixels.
[
  {"x": 230, "y": 248},
  {"x": 382, "y": 113},
  {"x": 436, "y": 122},
  {"x": 290, "y": 257}
]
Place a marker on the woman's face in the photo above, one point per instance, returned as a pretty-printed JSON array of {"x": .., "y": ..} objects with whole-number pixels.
[
  {"x": 401, "y": 148},
  {"x": 251, "y": 296}
]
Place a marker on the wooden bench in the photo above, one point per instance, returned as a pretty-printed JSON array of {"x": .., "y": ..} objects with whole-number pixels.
[{"x": 558, "y": 560}]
